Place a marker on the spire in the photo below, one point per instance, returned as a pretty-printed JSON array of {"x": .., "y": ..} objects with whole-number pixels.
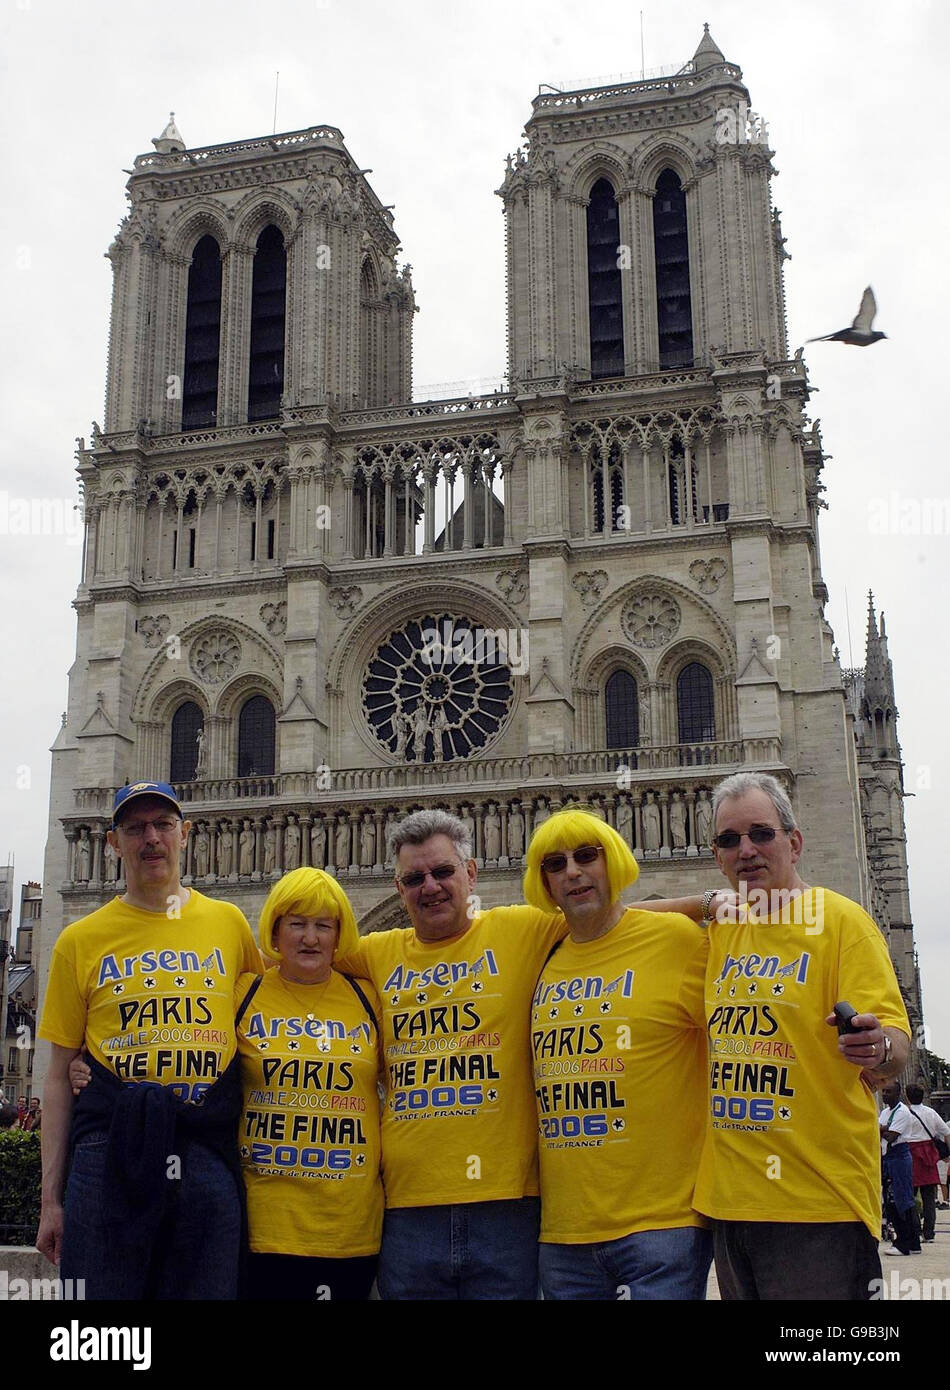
[
  {"x": 170, "y": 141},
  {"x": 878, "y": 674},
  {"x": 708, "y": 54}
]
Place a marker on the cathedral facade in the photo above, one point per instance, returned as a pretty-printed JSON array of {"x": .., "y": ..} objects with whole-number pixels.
[{"x": 315, "y": 604}]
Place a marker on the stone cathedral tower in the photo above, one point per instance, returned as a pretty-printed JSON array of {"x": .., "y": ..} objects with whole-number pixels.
[{"x": 315, "y": 604}]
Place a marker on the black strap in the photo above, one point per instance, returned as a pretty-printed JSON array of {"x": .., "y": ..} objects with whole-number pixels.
[
  {"x": 247, "y": 999},
  {"x": 556, "y": 947},
  {"x": 366, "y": 1004},
  {"x": 920, "y": 1118}
]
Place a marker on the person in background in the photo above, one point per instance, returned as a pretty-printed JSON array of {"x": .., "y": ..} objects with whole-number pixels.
[
  {"x": 896, "y": 1123},
  {"x": 33, "y": 1117},
  {"x": 926, "y": 1128}
]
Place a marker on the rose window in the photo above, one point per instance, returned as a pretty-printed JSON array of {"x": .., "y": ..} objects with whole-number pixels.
[
  {"x": 215, "y": 656},
  {"x": 651, "y": 621},
  {"x": 439, "y": 688}
]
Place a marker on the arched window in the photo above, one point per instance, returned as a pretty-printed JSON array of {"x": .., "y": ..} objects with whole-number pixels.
[
  {"x": 268, "y": 305},
  {"x": 695, "y": 708},
  {"x": 199, "y": 395},
  {"x": 623, "y": 712},
  {"x": 674, "y": 315},
  {"x": 604, "y": 285},
  {"x": 186, "y": 722},
  {"x": 256, "y": 738}
]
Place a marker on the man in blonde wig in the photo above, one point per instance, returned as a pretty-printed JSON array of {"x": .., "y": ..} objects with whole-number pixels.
[{"x": 618, "y": 1038}]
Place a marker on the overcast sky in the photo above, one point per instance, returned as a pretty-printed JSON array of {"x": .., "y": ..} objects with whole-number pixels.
[{"x": 432, "y": 97}]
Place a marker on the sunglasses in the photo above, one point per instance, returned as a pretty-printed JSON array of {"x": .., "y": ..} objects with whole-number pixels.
[
  {"x": 440, "y": 873},
  {"x": 584, "y": 854},
  {"x": 758, "y": 834}
]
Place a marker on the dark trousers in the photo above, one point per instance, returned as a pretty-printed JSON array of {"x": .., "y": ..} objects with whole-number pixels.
[
  {"x": 774, "y": 1260},
  {"x": 902, "y": 1208},
  {"x": 928, "y": 1196},
  {"x": 300, "y": 1278}
]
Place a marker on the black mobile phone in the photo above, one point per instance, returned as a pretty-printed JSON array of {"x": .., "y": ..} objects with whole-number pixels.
[{"x": 843, "y": 1015}]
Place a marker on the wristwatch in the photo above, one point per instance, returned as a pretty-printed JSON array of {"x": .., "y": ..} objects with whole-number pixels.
[{"x": 708, "y": 896}]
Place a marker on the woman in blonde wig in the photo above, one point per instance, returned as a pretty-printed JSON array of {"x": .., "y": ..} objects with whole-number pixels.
[
  {"x": 619, "y": 1042},
  {"x": 309, "y": 1135}
]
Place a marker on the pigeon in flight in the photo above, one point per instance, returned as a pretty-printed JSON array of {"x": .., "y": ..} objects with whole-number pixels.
[{"x": 859, "y": 334}]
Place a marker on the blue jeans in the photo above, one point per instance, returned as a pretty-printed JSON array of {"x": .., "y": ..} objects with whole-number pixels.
[
  {"x": 671, "y": 1264},
  {"x": 198, "y": 1246},
  {"x": 475, "y": 1250}
]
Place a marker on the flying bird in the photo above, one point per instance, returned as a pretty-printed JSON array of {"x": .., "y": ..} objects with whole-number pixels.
[{"x": 859, "y": 334}]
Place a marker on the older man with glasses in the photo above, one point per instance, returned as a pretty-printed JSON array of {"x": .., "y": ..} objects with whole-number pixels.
[
  {"x": 153, "y": 1205},
  {"x": 459, "y": 1131},
  {"x": 790, "y": 1171}
]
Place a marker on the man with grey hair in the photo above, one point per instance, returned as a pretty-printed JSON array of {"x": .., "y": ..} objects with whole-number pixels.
[
  {"x": 790, "y": 1169},
  {"x": 459, "y": 1127},
  {"x": 459, "y": 1130}
]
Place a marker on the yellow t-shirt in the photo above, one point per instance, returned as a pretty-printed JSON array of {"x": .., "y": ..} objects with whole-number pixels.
[
  {"x": 794, "y": 1134},
  {"x": 151, "y": 996},
  {"x": 618, "y": 1035},
  {"x": 459, "y": 1122},
  {"x": 309, "y": 1131}
]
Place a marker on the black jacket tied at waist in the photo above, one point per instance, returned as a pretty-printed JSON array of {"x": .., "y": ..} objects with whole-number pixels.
[{"x": 146, "y": 1124}]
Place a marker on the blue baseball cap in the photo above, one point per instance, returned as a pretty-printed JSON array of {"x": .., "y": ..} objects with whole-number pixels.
[{"x": 161, "y": 791}]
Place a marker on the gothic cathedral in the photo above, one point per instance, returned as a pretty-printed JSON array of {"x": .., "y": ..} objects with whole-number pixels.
[{"x": 315, "y": 604}]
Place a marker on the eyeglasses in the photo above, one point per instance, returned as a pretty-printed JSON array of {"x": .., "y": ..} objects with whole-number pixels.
[
  {"x": 136, "y": 829},
  {"x": 758, "y": 834},
  {"x": 417, "y": 878},
  {"x": 584, "y": 854}
]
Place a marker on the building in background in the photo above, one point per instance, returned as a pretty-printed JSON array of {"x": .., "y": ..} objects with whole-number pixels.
[
  {"x": 314, "y": 603},
  {"x": 18, "y": 996}
]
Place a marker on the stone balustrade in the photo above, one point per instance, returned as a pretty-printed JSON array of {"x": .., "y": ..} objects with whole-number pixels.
[{"x": 667, "y": 817}]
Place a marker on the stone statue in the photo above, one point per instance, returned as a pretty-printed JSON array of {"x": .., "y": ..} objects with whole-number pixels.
[
  {"x": 368, "y": 841},
  {"x": 596, "y": 809},
  {"x": 202, "y": 852},
  {"x": 391, "y": 822},
  {"x": 109, "y": 856},
  {"x": 541, "y": 812},
  {"x": 625, "y": 820},
  {"x": 492, "y": 832},
  {"x": 650, "y": 818},
  {"x": 420, "y": 727},
  {"x": 292, "y": 844},
  {"x": 83, "y": 856},
  {"x": 440, "y": 726},
  {"x": 468, "y": 820},
  {"x": 200, "y": 765},
  {"x": 402, "y": 726},
  {"x": 341, "y": 856},
  {"x": 678, "y": 821},
  {"x": 318, "y": 843},
  {"x": 225, "y": 849},
  {"x": 270, "y": 848},
  {"x": 515, "y": 832},
  {"x": 246, "y": 850},
  {"x": 703, "y": 821}
]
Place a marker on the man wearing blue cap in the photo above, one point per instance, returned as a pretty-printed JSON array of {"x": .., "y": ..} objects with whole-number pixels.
[{"x": 152, "y": 1207}]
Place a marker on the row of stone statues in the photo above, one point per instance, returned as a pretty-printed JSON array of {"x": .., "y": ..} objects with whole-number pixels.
[{"x": 653, "y": 823}]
